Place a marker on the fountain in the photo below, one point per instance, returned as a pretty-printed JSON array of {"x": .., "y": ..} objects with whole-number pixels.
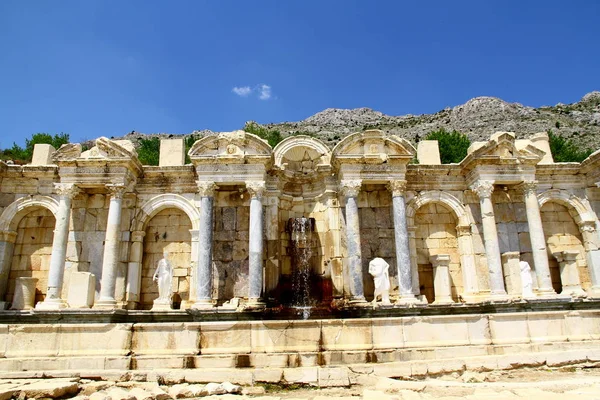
[{"x": 301, "y": 239}]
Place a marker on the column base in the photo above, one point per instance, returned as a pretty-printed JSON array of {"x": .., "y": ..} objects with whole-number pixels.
[
  {"x": 357, "y": 301},
  {"x": 204, "y": 304},
  {"x": 545, "y": 293},
  {"x": 105, "y": 304},
  {"x": 574, "y": 292},
  {"x": 499, "y": 297},
  {"x": 161, "y": 305},
  {"x": 407, "y": 299},
  {"x": 51, "y": 304},
  {"x": 255, "y": 304},
  {"x": 592, "y": 293},
  {"x": 445, "y": 301}
]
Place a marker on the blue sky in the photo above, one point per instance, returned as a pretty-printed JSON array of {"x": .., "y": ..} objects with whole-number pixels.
[{"x": 104, "y": 68}]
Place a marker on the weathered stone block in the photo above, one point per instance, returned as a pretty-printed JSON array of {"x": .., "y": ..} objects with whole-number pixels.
[{"x": 172, "y": 152}]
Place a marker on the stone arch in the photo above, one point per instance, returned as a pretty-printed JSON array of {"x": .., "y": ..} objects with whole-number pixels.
[
  {"x": 584, "y": 212},
  {"x": 580, "y": 235},
  {"x": 437, "y": 196},
  {"x": 17, "y": 209},
  {"x": 464, "y": 237},
  {"x": 164, "y": 201},
  {"x": 9, "y": 224},
  {"x": 311, "y": 143}
]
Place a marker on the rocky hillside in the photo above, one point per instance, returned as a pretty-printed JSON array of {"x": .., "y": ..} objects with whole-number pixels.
[{"x": 478, "y": 118}]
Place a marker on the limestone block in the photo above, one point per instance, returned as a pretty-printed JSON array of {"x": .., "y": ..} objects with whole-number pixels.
[
  {"x": 108, "y": 339},
  {"x": 273, "y": 360},
  {"x": 39, "y": 340},
  {"x": 165, "y": 338},
  {"x": 387, "y": 333},
  {"x": 306, "y": 375},
  {"x": 237, "y": 376},
  {"x": 285, "y": 336},
  {"x": 435, "y": 330},
  {"x": 172, "y": 152},
  {"x": 428, "y": 152},
  {"x": 509, "y": 328},
  {"x": 24, "y": 295},
  {"x": 55, "y": 388},
  {"x": 582, "y": 325},
  {"x": 547, "y": 326},
  {"x": 542, "y": 142},
  {"x": 82, "y": 286},
  {"x": 225, "y": 337},
  {"x": 42, "y": 154},
  {"x": 350, "y": 334}
]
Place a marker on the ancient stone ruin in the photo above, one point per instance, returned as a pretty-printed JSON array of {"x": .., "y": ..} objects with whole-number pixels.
[{"x": 264, "y": 254}]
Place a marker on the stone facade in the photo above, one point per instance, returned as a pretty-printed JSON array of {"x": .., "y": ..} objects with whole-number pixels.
[{"x": 449, "y": 232}]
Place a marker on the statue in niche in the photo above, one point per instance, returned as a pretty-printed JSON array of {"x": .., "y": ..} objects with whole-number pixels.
[
  {"x": 526, "y": 281},
  {"x": 378, "y": 268},
  {"x": 164, "y": 278}
]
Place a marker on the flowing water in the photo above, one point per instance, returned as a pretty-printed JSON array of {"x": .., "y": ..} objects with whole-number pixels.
[{"x": 301, "y": 236}]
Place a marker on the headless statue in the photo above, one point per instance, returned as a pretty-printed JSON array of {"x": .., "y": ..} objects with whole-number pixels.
[
  {"x": 378, "y": 268},
  {"x": 163, "y": 277},
  {"x": 526, "y": 281}
]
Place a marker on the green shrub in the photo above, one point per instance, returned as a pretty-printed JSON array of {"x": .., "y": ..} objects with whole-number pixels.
[
  {"x": 271, "y": 136},
  {"x": 149, "y": 151},
  {"x": 453, "y": 145},
  {"x": 564, "y": 150},
  {"x": 25, "y": 155}
]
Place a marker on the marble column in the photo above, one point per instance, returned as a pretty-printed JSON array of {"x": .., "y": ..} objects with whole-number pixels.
[
  {"x": 53, "y": 300},
  {"x": 591, "y": 244},
  {"x": 134, "y": 269},
  {"x": 538, "y": 241},
  {"x": 405, "y": 286},
  {"x": 484, "y": 190},
  {"x": 256, "y": 241},
  {"x": 204, "y": 270},
  {"x": 569, "y": 275},
  {"x": 112, "y": 240},
  {"x": 441, "y": 279},
  {"x": 350, "y": 190},
  {"x": 467, "y": 263},
  {"x": 7, "y": 245}
]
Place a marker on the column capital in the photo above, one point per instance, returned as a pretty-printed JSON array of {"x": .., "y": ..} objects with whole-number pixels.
[
  {"x": 8, "y": 236},
  {"x": 528, "y": 188},
  {"x": 256, "y": 188},
  {"x": 116, "y": 190},
  {"x": 350, "y": 188},
  {"x": 206, "y": 188},
  {"x": 463, "y": 230},
  {"x": 566, "y": 256},
  {"x": 66, "y": 189},
  {"x": 587, "y": 226},
  {"x": 440, "y": 260},
  {"x": 138, "y": 236},
  {"x": 397, "y": 187},
  {"x": 483, "y": 188}
]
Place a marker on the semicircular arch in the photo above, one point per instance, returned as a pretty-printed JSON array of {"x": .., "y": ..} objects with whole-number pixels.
[
  {"x": 161, "y": 202},
  {"x": 289, "y": 143},
  {"x": 10, "y": 217},
  {"x": 583, "y": 210},
  {"x": 438, "y": 196}
]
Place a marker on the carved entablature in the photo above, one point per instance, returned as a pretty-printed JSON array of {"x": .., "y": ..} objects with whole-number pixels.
[
  {"x": 591, "y": 168},
  {"x": 109, "y": 162},
  {"x": 502, "y": 159},
  {"x": 237, "y": 147}
]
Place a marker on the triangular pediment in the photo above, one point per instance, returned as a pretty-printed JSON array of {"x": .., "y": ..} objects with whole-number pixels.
[
  {"x": 230, "y": 146},
  {"x": 373, "y": 146},
  {"x": 110, "y": 149},
  {"x": 502, "y": 148},
  {"x": 66, "y": 152}
]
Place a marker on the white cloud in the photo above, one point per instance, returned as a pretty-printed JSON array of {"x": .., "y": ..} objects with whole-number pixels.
[
  {"x": 265, "y": 92},
  {"x": 242, "y": 91}
]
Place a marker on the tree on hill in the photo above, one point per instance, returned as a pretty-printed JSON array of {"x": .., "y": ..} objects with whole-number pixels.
[
  {"x": 24, "y": 155},
  {"x": 453, "y": 145},
  {"x": 564, "y": 150}
]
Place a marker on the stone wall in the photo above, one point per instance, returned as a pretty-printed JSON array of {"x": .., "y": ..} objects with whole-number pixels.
[
  {"x": 230, "y": 244},
  {"x": 561, "y": 233},
  {"x": 436, "y": 234},
  {"x": 168, "y": 230},
  {"x": 32, "y": 251},
  {"x": 376, "y": 233}
]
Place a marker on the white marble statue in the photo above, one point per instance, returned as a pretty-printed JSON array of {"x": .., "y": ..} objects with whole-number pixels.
[
  {"x": 526, "y": 281},
  {"x": 163, "y": 277},
  {"x": 378, "y": 268}
]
